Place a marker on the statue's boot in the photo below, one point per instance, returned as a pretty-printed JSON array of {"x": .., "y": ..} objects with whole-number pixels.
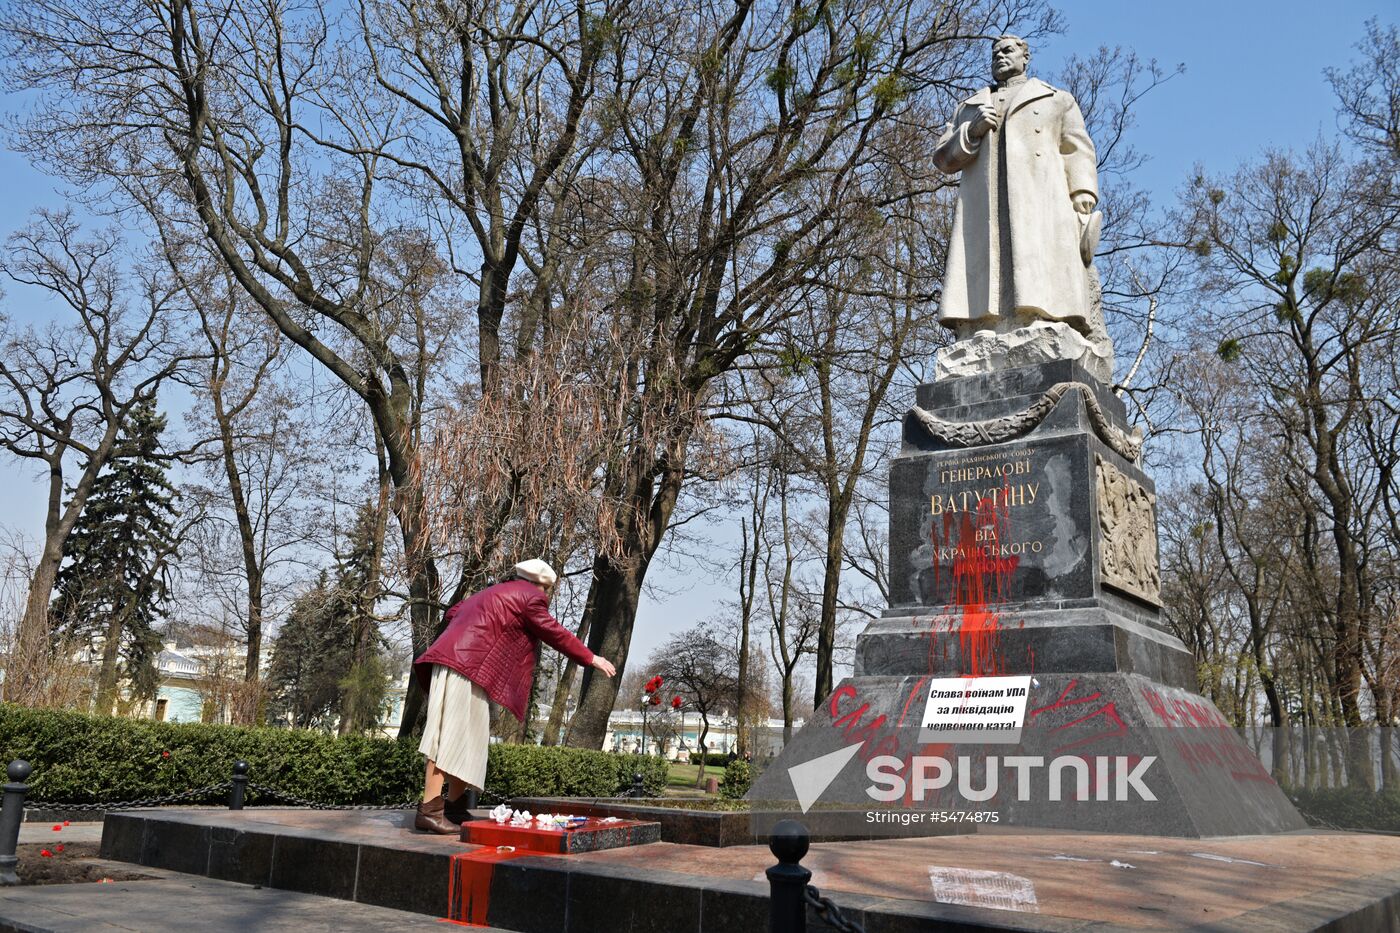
[
  {"x": 460, "y": 810},
  {"x": 430, "y": 818}
]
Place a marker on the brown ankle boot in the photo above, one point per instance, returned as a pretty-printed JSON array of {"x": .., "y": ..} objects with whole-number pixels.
[
  {"x": 430, "y": 818},
  {"x": 460, "y": 810}
]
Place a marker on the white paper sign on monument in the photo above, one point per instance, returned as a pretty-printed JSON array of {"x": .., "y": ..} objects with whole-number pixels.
[{"x": 988, "y": 710}]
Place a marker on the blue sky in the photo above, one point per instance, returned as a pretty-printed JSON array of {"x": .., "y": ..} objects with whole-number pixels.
[
  {"x": 1254, "y": 73},
  {"x": 1254, "y": 79}
]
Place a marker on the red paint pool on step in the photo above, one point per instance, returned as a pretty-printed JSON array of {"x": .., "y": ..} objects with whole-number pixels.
[{"x": 469, "y": 885}]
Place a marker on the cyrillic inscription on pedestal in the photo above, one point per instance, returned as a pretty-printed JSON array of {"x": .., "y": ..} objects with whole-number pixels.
[{"x": 1013, "y": 517}]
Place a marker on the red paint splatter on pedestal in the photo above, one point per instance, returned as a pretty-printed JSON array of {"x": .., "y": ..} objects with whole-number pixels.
[{"x": 979, "y": 577}]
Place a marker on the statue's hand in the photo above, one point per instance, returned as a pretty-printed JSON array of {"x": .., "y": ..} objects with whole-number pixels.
[
  {"x": 987, "y": 119},
  {"x": 1083, "y": 201}
]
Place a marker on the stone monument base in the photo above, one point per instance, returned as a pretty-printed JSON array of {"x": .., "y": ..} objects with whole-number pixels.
[
  {"x": 1103, "y": 752},
  {"x": 1023, "y": 544}
]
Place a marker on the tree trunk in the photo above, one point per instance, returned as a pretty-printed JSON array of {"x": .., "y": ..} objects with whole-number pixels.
[
  {"x": 610, "y": 615},
  {"x": 787, "y": 706},
  {"x": 831, "y": 587},
  {"x": 29, "y": 654},
  {"x": 611, "y": 610},
  {"x": 704, "y": 750},
  {"x": 422, "y": 591},
  {"x": 555, "y": 726},
  {"x": 32, "y": 645},
  {"x": 107, "y": 673},
  {"x": 747, "y": 595},
  {"x": 247, "y": 538},
  {"x": 560, "y": 704}
]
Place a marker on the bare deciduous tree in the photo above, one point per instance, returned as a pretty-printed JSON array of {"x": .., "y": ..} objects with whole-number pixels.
[{"x": 67, "y": 391}]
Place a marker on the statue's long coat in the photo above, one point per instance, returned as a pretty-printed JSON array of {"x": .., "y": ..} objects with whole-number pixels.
[{"x": 1015, "y": 242}]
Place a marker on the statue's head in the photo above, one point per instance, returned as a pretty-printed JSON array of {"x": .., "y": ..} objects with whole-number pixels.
[{"x": 1010, "y": 55}]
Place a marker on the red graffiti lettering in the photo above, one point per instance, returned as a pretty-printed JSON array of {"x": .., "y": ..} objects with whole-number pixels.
[
  {"x": 852, "y": 719},
  {"x": 845, "y": 690},
  {"x": 1114, "y": 726}
]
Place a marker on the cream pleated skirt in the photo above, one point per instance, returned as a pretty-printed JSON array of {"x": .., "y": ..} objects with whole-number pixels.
[{"x": 457, "y": 734}]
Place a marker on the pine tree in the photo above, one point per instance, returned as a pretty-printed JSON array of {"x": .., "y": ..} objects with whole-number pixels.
[
  {"x": 114, "y": 583},
  {"x": 328, "y": 661},
  {"x": 309, "y": 659},
  {"x": 357, "y": 580}
]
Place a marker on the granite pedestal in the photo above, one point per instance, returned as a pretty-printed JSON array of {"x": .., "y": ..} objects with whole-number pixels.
[
  {"x": 1030, "y": 552},
  {"x": 1338, "y": 882}
]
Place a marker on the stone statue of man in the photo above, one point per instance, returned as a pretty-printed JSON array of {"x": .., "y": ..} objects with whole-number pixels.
[{"x": 1025, "y": 229}]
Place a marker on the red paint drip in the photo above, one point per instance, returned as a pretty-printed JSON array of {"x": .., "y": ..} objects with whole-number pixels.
[
  {"x": 918, "y": 691},
  {"x": 469, "y": 879},
  {"x": 469, "y": 884},
  {"x": 980, "y": 578}
]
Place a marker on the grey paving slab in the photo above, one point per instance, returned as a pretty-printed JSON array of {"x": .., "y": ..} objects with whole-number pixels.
[
  {"x": 185, "y": 902},
  {"x": 44, "y": 834}
]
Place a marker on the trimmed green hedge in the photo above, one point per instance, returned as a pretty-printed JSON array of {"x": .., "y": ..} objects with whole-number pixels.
[
  {"x": 79, "y": 758},
  {"x": 1350, "y": 807},
  {"x": 535, "y": 771},
  {"x": 712, "y": 759}
]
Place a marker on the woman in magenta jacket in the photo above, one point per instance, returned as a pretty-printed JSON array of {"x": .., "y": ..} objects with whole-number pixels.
[{"x": 485, "y": 655}]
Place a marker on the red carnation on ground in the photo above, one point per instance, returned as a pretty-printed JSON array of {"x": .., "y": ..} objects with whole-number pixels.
[
  {"x": 46, "y": 853},
  {"x": 675, "y": 702},
  {"x": 65, "y": 822},
  {"x": 58, "y": 848},
  {"x": 165, "y": 754},
  {"x": 57, "y": 828}
]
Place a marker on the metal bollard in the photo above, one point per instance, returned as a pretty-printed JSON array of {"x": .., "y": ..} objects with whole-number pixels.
[
  {"x": 240, "y": 785},
  {"x": 639, "y": 786},
  {"x": 787, "y": 880},
  {"x": 11, "y": 816}
]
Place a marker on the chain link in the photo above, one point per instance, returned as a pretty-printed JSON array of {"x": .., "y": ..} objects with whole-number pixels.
[
  {"x": 830, "y": 913},
  {"x": 195, "y": 794}
]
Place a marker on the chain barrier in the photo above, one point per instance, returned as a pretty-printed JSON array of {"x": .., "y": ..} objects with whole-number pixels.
[
  {"x": 287, "y": 797},
  {"x": 830, "y": 913},
  {"x": 484, "y": 798},
  {"x": 194, "y": 794}
]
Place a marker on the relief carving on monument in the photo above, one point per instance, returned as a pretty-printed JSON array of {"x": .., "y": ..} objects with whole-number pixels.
[{"x": 1128, "y": 527}]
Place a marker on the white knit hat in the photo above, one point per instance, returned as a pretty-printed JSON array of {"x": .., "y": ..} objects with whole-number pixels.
[{"x": 536, "y": 571}]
